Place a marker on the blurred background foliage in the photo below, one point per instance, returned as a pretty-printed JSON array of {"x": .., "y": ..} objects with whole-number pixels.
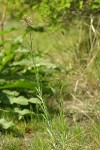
[{"x": 57, "y": 11}]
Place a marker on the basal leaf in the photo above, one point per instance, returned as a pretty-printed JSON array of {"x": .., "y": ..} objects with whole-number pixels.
[
  {"x": 13, "y": 93},
  {"x": 21, "y": 100},
  {"x": 5, "y": 124},
  {"x": 34, "y": 101},
  {"x": 23, "y": 112}
]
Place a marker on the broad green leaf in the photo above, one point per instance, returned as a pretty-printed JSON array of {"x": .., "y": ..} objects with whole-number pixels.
[
  {"x": 19, "y": 84},
  {"x": 21, "y": 100},
  {"x": 23, "y": 112},
  {"x": 13, "y": 93},
  {"x": 34, "y": 101},
  {"x": 5, "y": 124}
]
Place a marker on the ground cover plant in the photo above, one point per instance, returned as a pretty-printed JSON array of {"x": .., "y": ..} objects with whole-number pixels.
[{"x": 49, "y": 75}]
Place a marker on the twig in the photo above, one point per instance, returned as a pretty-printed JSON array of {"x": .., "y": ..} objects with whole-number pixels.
[{"x": 2, "y": 22}]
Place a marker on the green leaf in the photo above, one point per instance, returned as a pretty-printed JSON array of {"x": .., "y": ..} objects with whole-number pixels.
[
  {"x": 21, "y": 100},
  {"x": 5, "y": 124},
  {"x": 34, "y": 101},
  {"x": 81, "y": 5},
  {"x": 13, "y": 93},
  {"x": 96, "y": 5},
  {"x": 68, "y": 4},
  {"x": 19, "y": 84},
  {"x": 23, "y": 112}
]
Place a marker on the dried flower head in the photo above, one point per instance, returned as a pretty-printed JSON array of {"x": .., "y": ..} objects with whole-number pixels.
[{"x": 25, "y": 20}]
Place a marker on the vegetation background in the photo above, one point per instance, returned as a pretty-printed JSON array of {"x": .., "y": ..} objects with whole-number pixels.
[{"x": 50, "y": 75}]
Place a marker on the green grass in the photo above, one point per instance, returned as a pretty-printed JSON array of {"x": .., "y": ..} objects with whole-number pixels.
[{"x": 34, "y": 135}]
